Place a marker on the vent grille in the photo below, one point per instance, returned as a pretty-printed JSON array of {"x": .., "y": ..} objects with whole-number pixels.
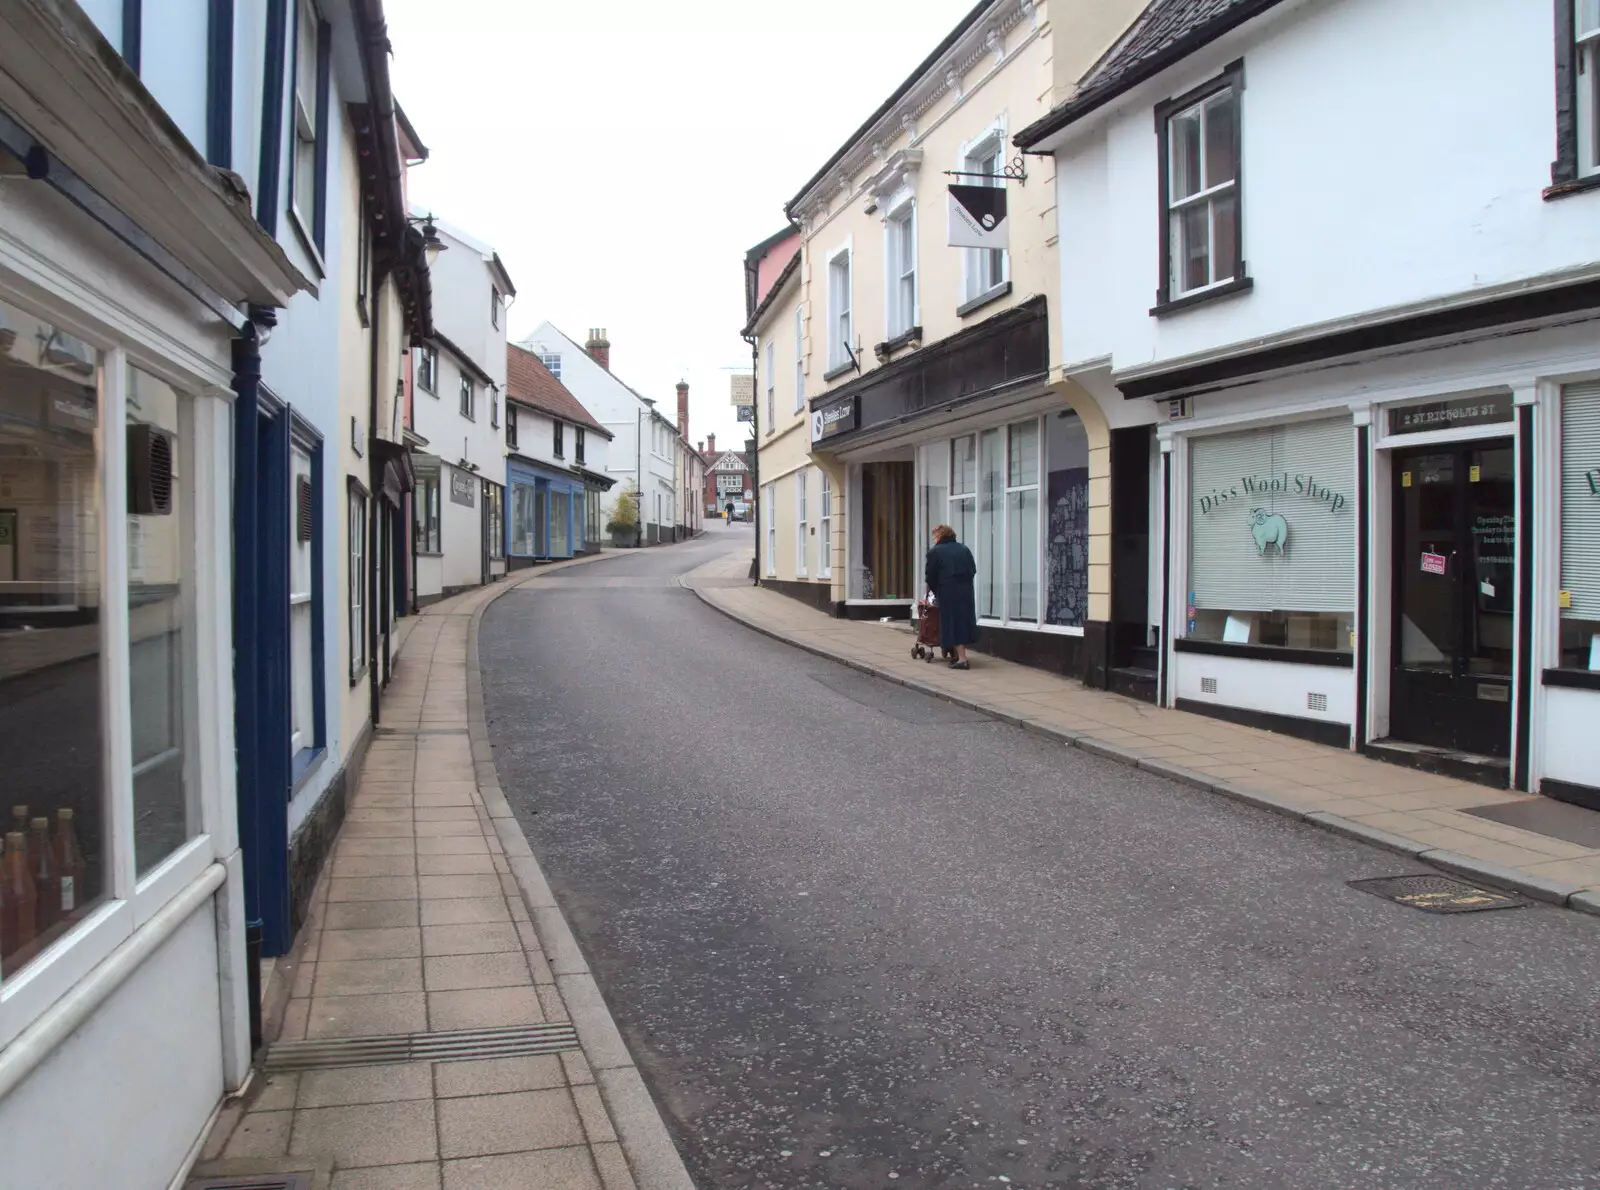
[
  {"x": 1208, "y": 685},
  {"x": 1316, "y": 702},
  {"x": 275, "y": 1181},
  {"x": 149, "y": 470},
  {"x": 465, "y": 1045},
  {"x": 302, "y": 508}
]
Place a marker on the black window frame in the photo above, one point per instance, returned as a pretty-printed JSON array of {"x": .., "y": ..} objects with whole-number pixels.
[
  {"x": 430, "y": 362},
  {"x": 1230, "y": 79},
  {"x": 558, "y": 443},
  {"x": 577, "y": 444},
  {"x": 364, "y": 264},
  {"x": 1564, "y": 176},
  {"x": 495, "y": 299},
  {"x": 469, "y": 398},
  {"x": 511, "y": 425}
]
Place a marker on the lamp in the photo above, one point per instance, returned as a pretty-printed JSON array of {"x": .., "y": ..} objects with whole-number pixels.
[{"x": 432, "y": 245}]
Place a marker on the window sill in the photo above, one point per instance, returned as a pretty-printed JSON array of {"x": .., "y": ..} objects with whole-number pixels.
[
  {"x": 1573, "y": 679},
  {"x": 985, "y": 298},
  {"x": 305, "y": 762},
  {"x": 358, "y": 677},
  {"x": 1278, "y": 653},
  {"x": 308, "y": 243},
  {"x": 910, "y": 337},
  {"x": 834, "y": 373},
  {"x": 430, "y": 553},
  {"x": 1227, "y": 289},
  {"x": 1577, "y": 186}
]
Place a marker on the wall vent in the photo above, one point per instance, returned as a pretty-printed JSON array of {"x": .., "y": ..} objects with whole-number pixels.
[
  {"x": 150, "y": 453},
  {"x": 1316, "y": 702},
  {"x": 1208, "y": 685},
  {"x": 302, "y": 508}
]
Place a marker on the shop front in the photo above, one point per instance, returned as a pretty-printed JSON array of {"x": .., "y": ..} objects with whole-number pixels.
[
  {"x": 968, "y": 432},
  {"x": 1403, "y": 563},
  {"x": 549, "y": 515}
]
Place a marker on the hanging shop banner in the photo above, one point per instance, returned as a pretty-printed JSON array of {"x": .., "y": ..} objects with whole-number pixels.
[
  {"x": 978, "y": 217},
  {"x": 742, "y": 388},
  {"x": 746, "y": 413}
]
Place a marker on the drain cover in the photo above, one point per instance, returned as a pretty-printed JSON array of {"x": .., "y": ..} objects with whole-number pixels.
[
  {"x": 1438, "y": 894},
  {"x": 277, "y": 1181},
  {"x": 464, "y": 1045}
]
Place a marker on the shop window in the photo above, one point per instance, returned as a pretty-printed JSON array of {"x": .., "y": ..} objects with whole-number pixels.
[
  {"x": 1201, "y": 240},
  {"x": 1022, "y": 521},
  {"x": 1272, "y": 530},
  {"x": 990, "y": 535},
  {"x": 800, "y": 523},
  {"x": 560, "y": 524},
  {"x": 825, "y": 527},
  {"x": 1580, "y": 526},
  {"x": 425, "y": 507},
  {"x": 305, "y": 611},
  {"x": 357, "y": 581},
  {"x": 1067, "y": 527},
  {"x": 933, "y": 491},
  {"x": 522, "y": 520},
  {"x": 963, "y": 491}
]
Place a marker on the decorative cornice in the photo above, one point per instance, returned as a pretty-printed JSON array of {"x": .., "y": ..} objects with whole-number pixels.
[
  {"x": 900, "y": 168},
  {"x": 945, "y": 77}
]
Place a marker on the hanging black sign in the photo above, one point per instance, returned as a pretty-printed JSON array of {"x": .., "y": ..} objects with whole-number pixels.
[{"x": 978, "y": 217}]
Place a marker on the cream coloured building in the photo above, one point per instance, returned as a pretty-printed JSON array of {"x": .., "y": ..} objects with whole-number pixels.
[{"x": 902, "y": 383}]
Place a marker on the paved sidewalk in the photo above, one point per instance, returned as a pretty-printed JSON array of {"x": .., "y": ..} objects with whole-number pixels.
[
  {"x": 1415, "y": 813},
  {"x": 432, "y": 917}
]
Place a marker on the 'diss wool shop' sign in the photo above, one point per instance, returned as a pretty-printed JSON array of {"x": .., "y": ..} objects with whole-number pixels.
[{"x": 1255, "y": 487}]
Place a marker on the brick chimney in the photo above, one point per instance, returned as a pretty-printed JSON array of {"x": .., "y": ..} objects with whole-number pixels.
[
  {"x": 683, "y": 410},
  {"x": 599, "y": 347},
  {"x": 711, "y": 444}
]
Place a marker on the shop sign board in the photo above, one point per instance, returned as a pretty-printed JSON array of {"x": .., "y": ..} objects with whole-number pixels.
[
  {"x": 1256, "y": 486},
  {"x": 978, "y": 217},
  {"x": 742, "y": 388},
  {"x": 746, "y": 413},
  {"x": 463, "y": 488},
  {"x": 1434, "y": 563},
  {"x": 832, "y": 420},
  {"x": 1450, "y": 415}
]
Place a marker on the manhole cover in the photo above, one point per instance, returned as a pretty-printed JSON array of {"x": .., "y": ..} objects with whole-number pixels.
[{"x": 1438, "y": 894}]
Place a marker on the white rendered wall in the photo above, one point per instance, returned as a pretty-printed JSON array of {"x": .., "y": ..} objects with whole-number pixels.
[
  {"x": 460, "y": 531},
  {"x": 1571, "y": 743},
  {"x": 1276, "y": 687}
]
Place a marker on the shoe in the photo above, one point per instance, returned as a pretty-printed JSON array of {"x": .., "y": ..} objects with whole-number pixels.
[{"x": 960, "y": 665}]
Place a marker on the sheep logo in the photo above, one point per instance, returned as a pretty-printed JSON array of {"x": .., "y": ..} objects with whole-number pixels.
[{"x": 1269, "y": 529}]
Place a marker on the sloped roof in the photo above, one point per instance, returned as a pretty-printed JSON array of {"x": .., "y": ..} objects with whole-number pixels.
[
  {"x": 530, "y": 383},
  {"x": 1164, "y": 33}
]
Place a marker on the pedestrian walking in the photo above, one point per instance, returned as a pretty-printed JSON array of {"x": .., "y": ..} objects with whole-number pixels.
[{"x": 949, "y": 572}]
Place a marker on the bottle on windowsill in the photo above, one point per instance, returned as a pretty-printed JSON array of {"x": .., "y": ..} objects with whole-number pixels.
[
  {"x": 70, "y": 866},
  {"x": 42, "y": 866},
  {"x": 18, "y": 927},
  {"x": 19, "y": 822}
]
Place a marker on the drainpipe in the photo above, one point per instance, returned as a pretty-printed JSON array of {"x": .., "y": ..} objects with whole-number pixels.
[
  {"x": 375, "y": 486},
  {"x": 638, "y": 471}
]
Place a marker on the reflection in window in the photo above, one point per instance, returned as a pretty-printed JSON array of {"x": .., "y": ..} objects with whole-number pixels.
[
  {"x": 160, "y": 621},
  {"x": 51, "y": 669}
]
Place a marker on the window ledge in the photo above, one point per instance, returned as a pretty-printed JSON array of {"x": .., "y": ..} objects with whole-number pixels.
[
  {"x": 834, "y": 373},
  {"x": 1567, "y": 189},
  {"x": 430, "y": 553},
  {"x": 1279, "y": 653},
  {"x": 910, "y": 337},
  {"x": 1574, "y": 679},
  {"x": 358, "y": 677},
  {"x": 306, "y": 761},
  {"x": 1226, "y": 289},
  {"x": 308, "y": 243},
  {"x": 985, "y": 298}
]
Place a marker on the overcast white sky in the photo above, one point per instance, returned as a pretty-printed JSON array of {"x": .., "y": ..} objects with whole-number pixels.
[{"x": 623, "y": 156}]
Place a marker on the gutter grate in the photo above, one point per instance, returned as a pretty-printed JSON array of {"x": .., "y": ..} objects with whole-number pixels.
[
  {"x": 276, "y": 1181},
  {"x": 464, "y": 1045},
  {"x": 1438, "y": 894}
]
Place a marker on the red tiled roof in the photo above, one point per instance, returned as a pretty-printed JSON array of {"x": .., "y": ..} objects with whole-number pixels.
[{"x": 531, "y": 383}]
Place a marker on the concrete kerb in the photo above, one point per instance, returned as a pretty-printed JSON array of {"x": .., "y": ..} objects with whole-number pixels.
[
  {"x": 647, "y": 1147},
  {"x": 1550, "y": 891}
]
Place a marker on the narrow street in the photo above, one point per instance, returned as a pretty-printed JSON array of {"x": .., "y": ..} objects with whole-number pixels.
[{"x": 855, "y": 936}]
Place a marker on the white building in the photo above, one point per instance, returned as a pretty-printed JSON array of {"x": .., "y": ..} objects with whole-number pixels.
[
  {"x": 646, "y": 448},
  {"x": 1379, "y": 457},
  {"x": 457, "y": 409}
]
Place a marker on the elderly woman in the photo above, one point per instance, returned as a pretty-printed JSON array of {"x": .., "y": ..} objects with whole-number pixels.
[{"x": 949, "y": 572}]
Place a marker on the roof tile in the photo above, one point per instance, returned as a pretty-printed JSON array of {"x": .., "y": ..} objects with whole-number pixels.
[{"x": 531, "y": 383}]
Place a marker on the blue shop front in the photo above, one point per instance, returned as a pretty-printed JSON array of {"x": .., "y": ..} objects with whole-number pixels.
[{"x": 548, "y": 513}]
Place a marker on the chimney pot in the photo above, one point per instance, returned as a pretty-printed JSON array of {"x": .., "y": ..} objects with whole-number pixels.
[
  {"x": 599, "y": 347},
  {"x": 683, "y": 409}
]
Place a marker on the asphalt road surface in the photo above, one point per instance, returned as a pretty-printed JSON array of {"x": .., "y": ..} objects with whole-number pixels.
[{"x": 857, "y": 937}]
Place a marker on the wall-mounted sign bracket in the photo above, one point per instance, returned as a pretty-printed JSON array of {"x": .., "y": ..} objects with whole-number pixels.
[{"x": 1015, "y": 172}]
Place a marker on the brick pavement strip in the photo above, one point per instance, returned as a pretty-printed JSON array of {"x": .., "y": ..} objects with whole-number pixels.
[
  {"x": 1412, "y": 813},
  {"x": 433, "y": 915}
]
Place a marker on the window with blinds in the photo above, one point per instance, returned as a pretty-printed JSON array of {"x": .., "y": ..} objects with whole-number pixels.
[
  {"x": 1580, "y": 526},
  {"x": 1272, "y": 530}
]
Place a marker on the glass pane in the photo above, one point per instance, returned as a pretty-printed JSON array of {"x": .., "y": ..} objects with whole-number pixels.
[
  {"x": 964, "y": 520},
  {"x": 994, "y": 267},
  {"x": 1022, "y": 464},
  {"x": 991, "y": 509},
  {"x": 1022, "y": 554},
  {"x": 306, "y": 56},
  {"x": 305, "y": 177},
  {"x": 1067, "y": 505},
  {"x": 964, "y": 466},
  {"x": 933, "y": 497},
  {"x": 1492, "y": 522},
  {"x": 1223, "y": 235},
  {"x": 1428, "y": 561},
  {"x": 1191, "y": 248},
  {"x": 50, "y": 647},
  {"x": 1184, "y": 138},
  {"x": 1222, "y": 155},
  {"x": 166, "y": 812},
  {"x": 1588, "y": 17}
]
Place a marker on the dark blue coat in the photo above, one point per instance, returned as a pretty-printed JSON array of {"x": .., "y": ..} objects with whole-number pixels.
[{"x": 949, "y": 572}]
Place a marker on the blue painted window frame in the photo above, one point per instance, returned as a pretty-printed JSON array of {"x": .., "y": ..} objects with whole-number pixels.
[
  {"x": 318, "y": 231},
  {"x": 304, "y": 435}
]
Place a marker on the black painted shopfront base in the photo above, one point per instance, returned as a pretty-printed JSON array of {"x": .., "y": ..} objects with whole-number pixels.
[
  {"x": 1586, "y": 796},
  {"x": 1053, "y": 652},
  {"x": 1318, "y": 731},
  {"x": 1493, "y": 771},
  {"x": 818, "y": 595},
  {"x": 871, "y": 611}
]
